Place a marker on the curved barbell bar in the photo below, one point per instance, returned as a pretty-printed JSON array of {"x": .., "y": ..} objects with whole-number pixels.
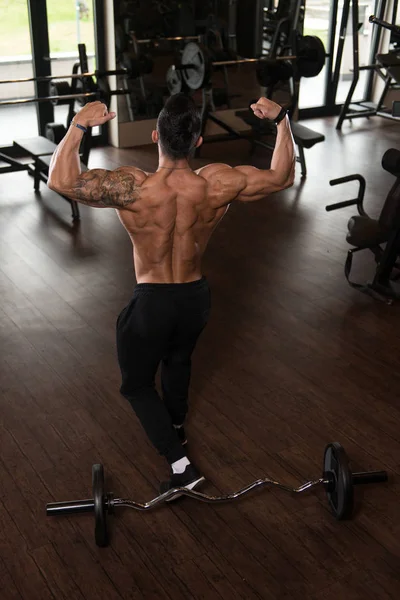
[
  {"x": 259, "y": 483},
  {"x": 110, "y": 503}
]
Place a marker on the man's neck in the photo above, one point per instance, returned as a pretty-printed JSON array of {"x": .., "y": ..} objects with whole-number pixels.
[{"x": 168, "y": 163}]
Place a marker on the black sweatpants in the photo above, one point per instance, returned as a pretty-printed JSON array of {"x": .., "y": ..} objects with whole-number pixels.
[{"x": 161, "y": 324}]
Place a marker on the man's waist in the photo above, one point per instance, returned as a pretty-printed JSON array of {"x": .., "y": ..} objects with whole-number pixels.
[{"x": 172, "y": 286}]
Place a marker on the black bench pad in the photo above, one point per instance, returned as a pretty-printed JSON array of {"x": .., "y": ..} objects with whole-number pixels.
[
  {"x": 303, "y": 136},
  {"x": 365, "y": 232},
  {"x": 37, "y": 146}
]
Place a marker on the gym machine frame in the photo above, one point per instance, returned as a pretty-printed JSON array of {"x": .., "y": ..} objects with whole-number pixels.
[
  {"x": 354, "y": 110},
  {"x": 337, "y": 480}
]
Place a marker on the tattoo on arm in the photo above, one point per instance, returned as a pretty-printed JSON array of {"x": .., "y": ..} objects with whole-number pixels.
[{"x": 113, "y": 189}]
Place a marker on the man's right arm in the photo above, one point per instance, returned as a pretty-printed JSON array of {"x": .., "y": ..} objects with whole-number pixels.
[
  {"x": 246, "y": 183},
  {"x": 260, "y": 183}
]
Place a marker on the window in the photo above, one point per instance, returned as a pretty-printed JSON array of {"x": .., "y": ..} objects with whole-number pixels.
[
  {"x": 70, "y": 22},
  {"x": 15, "y": 62}
]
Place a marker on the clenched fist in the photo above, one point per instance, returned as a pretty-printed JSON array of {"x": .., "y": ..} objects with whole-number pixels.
[
  {"x": 93, "y": 114},
  {"x": 266, "y": 109}
]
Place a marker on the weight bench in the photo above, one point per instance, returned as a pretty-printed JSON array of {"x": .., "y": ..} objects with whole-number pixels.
[
  {"x": 303, "y": 136},
  {"x": 8, "y": 164},
  {"x": 366, "y": 233},
  {"x": 40, "y": 149}
]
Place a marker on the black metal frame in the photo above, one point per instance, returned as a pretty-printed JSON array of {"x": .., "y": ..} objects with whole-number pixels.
[
  {"x": 330, "y": 106},
  {"x": 348, "y": 110},
  {"x": 100, "y": 50},
  {"x": 41, "y": 63}
]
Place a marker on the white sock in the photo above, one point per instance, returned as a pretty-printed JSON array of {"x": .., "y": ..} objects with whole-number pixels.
[{"x": 180, "y": 465}]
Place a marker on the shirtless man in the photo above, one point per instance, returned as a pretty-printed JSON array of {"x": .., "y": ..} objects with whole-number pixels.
[{"x": 169, "y": 216}]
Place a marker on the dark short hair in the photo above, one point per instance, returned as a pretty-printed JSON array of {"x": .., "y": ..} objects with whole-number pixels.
[{"x": 179, "y": 126}]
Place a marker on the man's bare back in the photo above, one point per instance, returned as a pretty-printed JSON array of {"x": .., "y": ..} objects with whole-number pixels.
[
  {"x": 170, "y": 214},
  {"x": 170, "y": 225}
]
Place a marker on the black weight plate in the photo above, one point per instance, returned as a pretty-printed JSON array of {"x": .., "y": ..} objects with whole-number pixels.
[
  {"x": 121, "y": 39},
  {"x": 100, "y": 530},
  {"x": 55, "y": 132},
  {"x": 174, "y": 81},
  {"x": 59, "y": 88},
  {"x": 271, "y": 71},
  {"x": 104, "y": 89},
  {"x": 129, "y": 62},
  {"x": 80, "y": 90},
  {"x": 311, "y": 56},
  {"x": 340, "y": 490},
  {"x": 198, "y": 74}
]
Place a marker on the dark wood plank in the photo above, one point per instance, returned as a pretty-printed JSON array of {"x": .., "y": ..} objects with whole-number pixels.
[
  {"x": 53, "y": 570},
  {"x": 8, "y": 589}
]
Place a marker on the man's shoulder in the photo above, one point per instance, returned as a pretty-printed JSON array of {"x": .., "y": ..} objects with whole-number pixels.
[
  {"x": 220, "y": 174},
  {"x": 209, "y": 170},
  {"x": 137, "y": 174}
]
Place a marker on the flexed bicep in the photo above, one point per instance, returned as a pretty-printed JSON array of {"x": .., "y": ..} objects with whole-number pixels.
[{"x": 106, "y": 189}]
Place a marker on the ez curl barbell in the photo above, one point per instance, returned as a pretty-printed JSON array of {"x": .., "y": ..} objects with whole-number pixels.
[{"x": 337, "y": 479}]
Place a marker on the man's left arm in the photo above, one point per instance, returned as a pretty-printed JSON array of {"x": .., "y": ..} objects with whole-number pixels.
[{"x": 96, "y": 187}]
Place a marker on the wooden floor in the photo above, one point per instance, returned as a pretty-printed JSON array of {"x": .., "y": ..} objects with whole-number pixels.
[{"x": 292, "y": 359}]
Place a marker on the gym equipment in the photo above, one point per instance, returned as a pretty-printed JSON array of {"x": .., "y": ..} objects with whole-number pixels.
[
  {"x": 157, "y": 41},
  {"x": 384, "y": 24},
  {"x": 197, "y": 63},
  {"x": 386, "y": 66},
  {"x": 135, "y": 65},
  {"x": 278, "y": 24},
  {"x": 59, "y": 93},
  {"x": 145, "y": 101},
  {"x": 55, "y": 132},
  {"x": 337, "y": 479},
  {"x": 40, "y": 150},
  {"x": 367, "y": 233},
  {"x": 174, "y": 81},
  {"x": 97, "y": 74}
]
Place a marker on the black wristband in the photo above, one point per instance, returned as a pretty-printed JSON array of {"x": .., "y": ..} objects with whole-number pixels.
[
  {"x": 282, "y": 114},
  {"x": 84, "y": 129}
]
